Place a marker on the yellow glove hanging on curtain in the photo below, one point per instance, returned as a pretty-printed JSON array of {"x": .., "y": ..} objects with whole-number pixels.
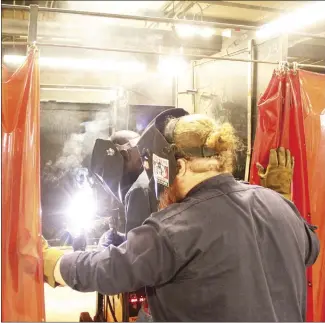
[
  {"x": 279, "y": 172},
  {"x": 50, "y": 257}
]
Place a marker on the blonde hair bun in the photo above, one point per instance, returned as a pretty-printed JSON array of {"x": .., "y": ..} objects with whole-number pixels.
[
  {"x": 222, "y": 139},
  {"x": 195, "y": 131}
]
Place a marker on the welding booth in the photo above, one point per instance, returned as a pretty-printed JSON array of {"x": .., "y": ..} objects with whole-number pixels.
[{"x": 271, "y": 102}]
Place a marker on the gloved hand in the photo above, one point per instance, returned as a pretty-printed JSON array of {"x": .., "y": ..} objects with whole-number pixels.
[
  {"x": 79, "y": 243},
  {"x": 50, "y": 258},
  {"x": 111, "y": 237},
  {"x": 279, "y": 172}
]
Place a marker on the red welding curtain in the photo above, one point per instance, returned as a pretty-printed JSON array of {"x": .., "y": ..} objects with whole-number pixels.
[
  {"x": 22, "y": 294},
  {"x": 312, "y": 87},
  {"x": 291, "y": 114}
]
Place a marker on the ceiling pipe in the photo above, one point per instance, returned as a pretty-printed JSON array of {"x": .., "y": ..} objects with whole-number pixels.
[
  {"x": 153, "y": 19},
  {"x": 135, "y": 51},
  {"x": 134, "y": 17}
]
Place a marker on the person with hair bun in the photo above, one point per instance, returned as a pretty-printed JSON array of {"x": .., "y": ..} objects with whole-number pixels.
[{"x": 217, "y": 249}]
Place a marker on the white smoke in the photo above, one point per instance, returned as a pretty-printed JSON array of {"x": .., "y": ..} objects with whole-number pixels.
[
  {"x": 102, "y": 32},
  {"x": 79, "y": 145}
]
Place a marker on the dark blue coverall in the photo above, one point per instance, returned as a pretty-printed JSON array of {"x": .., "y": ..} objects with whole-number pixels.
[
  {"x": 140, "y": 203},
  {"x": 228, "y": 252}
]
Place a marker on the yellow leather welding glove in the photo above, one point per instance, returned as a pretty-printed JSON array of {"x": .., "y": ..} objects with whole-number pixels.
[
  {"x": 279, "y": 172},
  {"x": 50, "y": 259}
]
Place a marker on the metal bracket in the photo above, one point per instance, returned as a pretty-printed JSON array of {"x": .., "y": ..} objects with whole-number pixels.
[
  {"x": 32, "y": 26},
  {"x": 295, "y": 67},
  {"x": 283, "y": 47},
  {"x": 193, "y": 76},
  {"x": 283, "y": 67},
  {"x": 251, "y": 93}
]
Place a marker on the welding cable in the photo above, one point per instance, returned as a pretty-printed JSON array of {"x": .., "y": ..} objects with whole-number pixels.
[
  {"x": 111, "y": 309},
  {"x": 125, "y": 299}
]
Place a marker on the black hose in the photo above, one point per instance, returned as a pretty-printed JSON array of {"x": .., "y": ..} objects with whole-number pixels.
[
  {"x": 126, "y": 307},
  {"x": 111, "y": 309}
]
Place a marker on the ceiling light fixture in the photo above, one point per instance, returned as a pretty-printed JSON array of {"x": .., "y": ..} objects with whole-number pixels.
[
  {"x": 226, "y": 33},
  {"x": 80, "y": 64},
  {"x": 188, "y": 31},
  {"x": 297, "y": 19}
]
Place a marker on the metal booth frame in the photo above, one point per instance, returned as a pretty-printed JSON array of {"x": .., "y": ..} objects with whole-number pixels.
[{"x": 32, "y": 41}]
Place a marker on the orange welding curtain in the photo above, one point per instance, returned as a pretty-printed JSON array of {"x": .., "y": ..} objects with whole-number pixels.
[
  {"x": 289, "y": 115},
  {"x": 312, "y": 88},
  {"x": 22, "y": 294}
]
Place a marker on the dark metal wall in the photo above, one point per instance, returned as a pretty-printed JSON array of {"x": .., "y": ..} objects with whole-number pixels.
[
  {"x": 60, "y": 124},
  {"x": 223, "y": 90},
  {"x": 271, "y": 50},
  {"x": 59, "y": 120},
  {"x": 222, "y": 94}
]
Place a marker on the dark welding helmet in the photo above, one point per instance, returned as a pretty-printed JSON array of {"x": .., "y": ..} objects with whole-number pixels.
[
  {"x": 157, "y": 153},
  {"x": 107, "y": 163}
]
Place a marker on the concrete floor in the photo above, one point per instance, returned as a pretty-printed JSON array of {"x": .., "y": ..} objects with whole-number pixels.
[{"x": 62, "y": 304}]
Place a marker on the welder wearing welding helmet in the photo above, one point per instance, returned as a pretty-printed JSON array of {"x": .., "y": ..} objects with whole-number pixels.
[
  {"x": 217, "y": 250},
  {"x": 116, "y": 163}
]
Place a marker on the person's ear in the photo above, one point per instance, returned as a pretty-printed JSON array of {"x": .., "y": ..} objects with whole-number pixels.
[{"x": 181, "y": 167}]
